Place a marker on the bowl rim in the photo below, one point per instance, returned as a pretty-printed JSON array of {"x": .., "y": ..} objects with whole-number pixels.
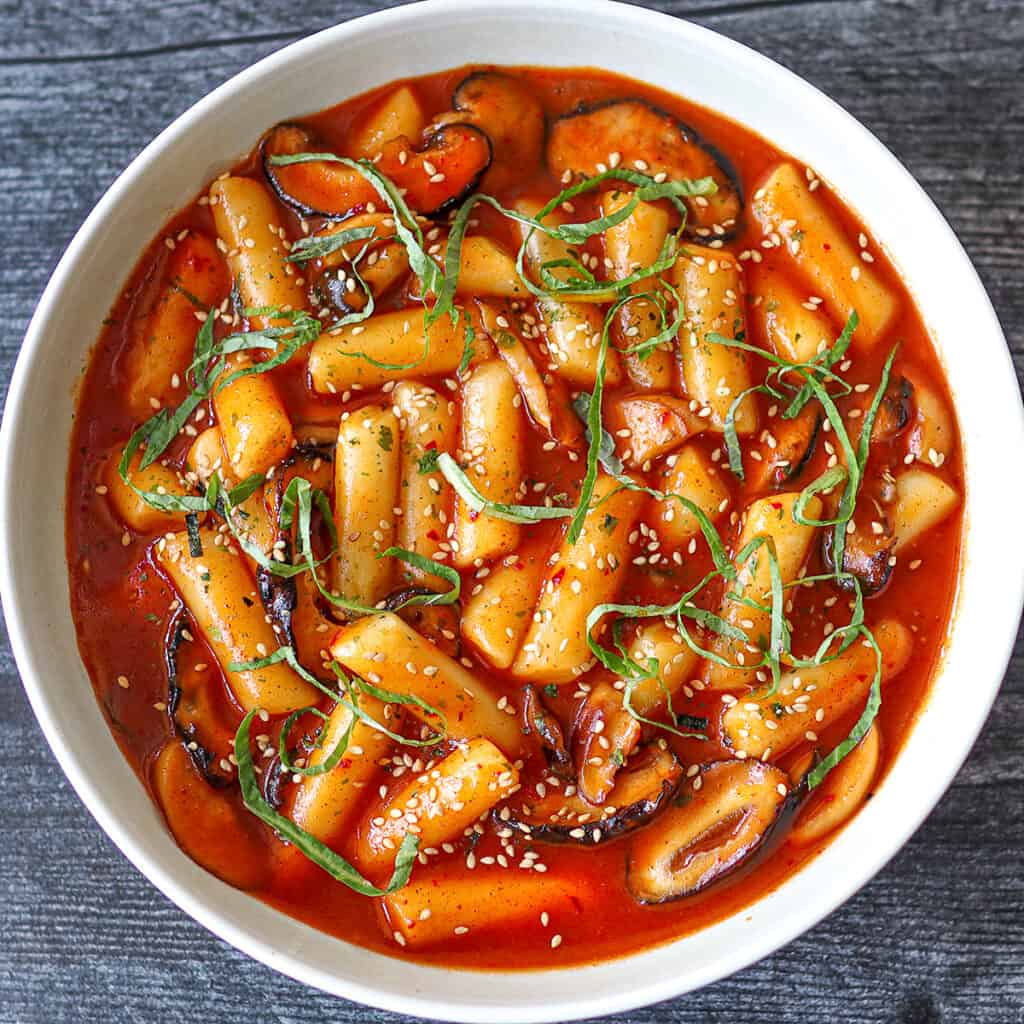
[{"x": 89, "y": 788}]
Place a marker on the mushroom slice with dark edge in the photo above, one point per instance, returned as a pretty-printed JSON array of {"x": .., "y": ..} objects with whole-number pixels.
[
  {"x": 460, "y": 155},
  {"x": 191, "y": 701},
  {"x": 298, "y": 613},
  {"x": 274, "y": 780},
  {"x": 505, "y": 109},
  {"x": 894, "y": 411},
  {"x": 867, "y": 553},
  {"x": 868, "y": 549},
  {"x": 603, "y": 736},
  {"x": 280, "y": 595},
  {"x": 337, "y": 289},
  {"x": 211, "y": 827},
  {"x": 436, "y": 176},
  {"x": 784, "y": 460},
  {"x": 644, "y": 787},
  {"x": 439, "y": 623},
  {"x": 380, "y": 261},
  {"x": 647, "y": 138},
  {"x": 707, "y": 832},
  {"x": 539, "y": 722},
  {"x": 311, "y": 189}
]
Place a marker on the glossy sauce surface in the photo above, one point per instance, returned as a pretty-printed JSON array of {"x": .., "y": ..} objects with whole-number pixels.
[{"x": 121, "y": 601}]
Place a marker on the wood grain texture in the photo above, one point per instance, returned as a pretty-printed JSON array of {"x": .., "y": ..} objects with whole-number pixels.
[{"x": 937, "y": 936}]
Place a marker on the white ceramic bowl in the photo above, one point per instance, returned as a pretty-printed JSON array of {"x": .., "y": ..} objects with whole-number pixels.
[{"x": 324, "y": 70}]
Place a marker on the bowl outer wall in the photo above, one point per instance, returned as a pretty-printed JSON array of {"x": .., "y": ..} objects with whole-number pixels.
[{"x": 320, "y": 71}]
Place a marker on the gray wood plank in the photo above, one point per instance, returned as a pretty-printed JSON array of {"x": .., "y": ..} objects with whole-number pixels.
[{"x": 938, "y": 936}]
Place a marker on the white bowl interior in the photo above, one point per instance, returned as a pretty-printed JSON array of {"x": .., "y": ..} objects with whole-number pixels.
[{"x": 321, "y": 71}]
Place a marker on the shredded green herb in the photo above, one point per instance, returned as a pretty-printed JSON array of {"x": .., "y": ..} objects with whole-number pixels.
[
  {"x": 468, "y": 350},
  {"x": 669, "y": 328},
  {"x": 606, "y": 454},
  {"x": 597, "y": 438},
  {"x": 428, "y": 565},
  {"x": 863, "y": 723},
  {"x": 428, "y": 461},
  {"x": 581, "y": 282},
  {"x": 456, "y": 476},
  {"x": 793, "y": 383},
  {"x": 318, "y": 246},
  {"x": 330, "y": 762}
]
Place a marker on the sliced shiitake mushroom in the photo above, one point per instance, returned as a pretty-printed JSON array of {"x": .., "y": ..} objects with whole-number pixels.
[
  {"x": 343, "y": 279},
  {"x": 707, "y": 832},
  {"x": 210, "y": 826},
  {"x": 311, "y": 189},
  {"x": 338, "y": 289},
  {"x": 330, "y": 291},
  {"x": 505, "y": 109},
  {"x": 643, "y": 134},
  {"x": 894, "y": 411},
  {"x": 603, "y": 736},
  {"x": 785, "y": 460},
  {"x": 644, "y": 787},
  {"x": 279, "y": 597},
  {"x": 439, "y": 623},
  {"x": 279, "y": 594},
  {"x": 868, "y": 550},
  {"x": 191, "y": 700},
  {"x": 275, "y": 778},
  {"x": 539, "y": 722},
  {"x": 434, "y": 177},
  {"x": 461, "y": 153},
  {"x": 867, "y": 554}
]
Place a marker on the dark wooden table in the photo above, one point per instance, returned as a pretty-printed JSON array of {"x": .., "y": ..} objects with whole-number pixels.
[{"x": 938, "y": 936}]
